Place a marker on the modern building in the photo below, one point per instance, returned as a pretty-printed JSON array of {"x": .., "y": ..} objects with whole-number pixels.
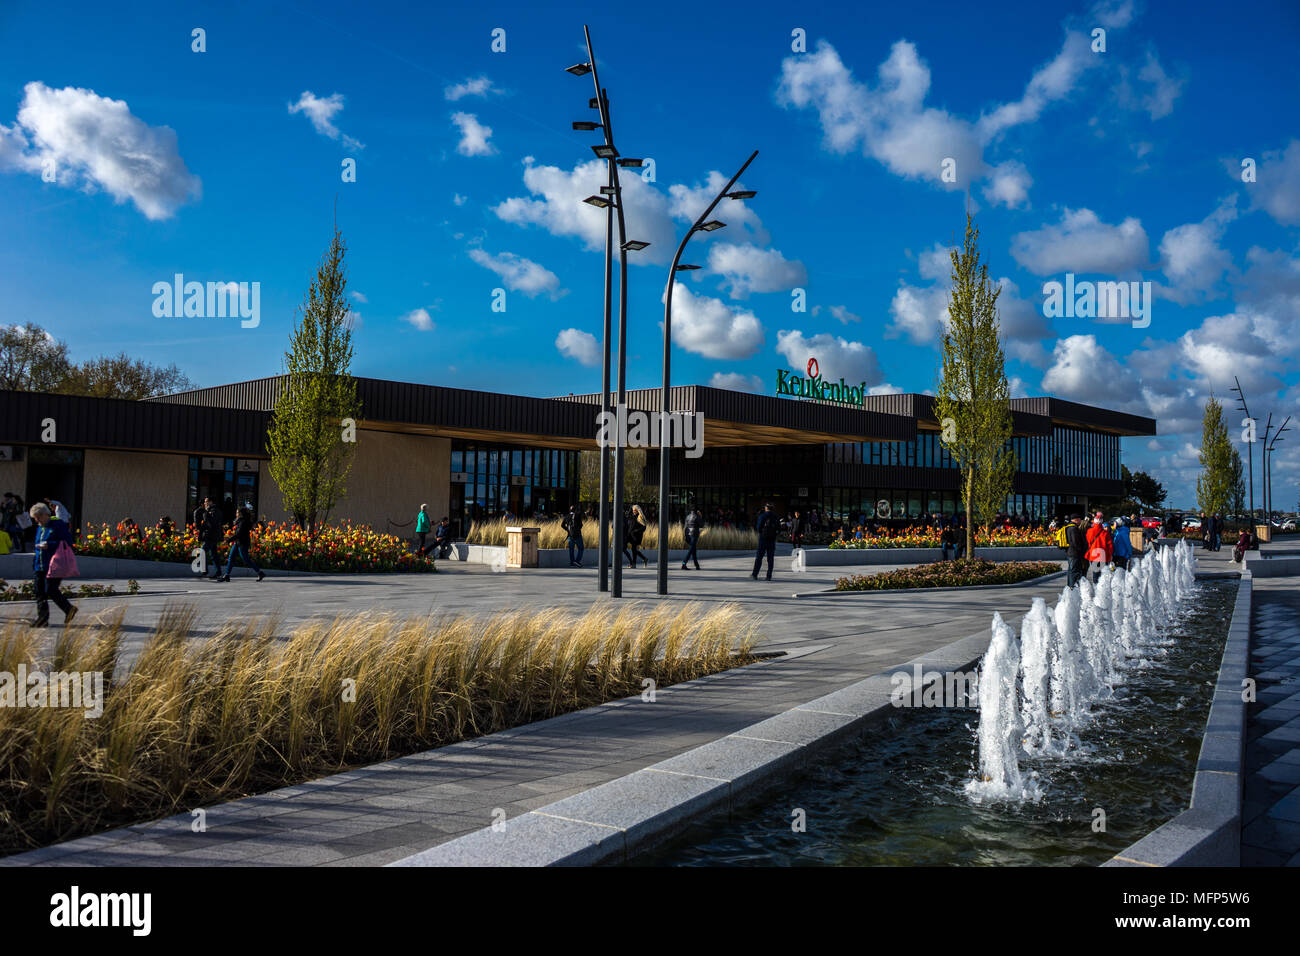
[{"x": 472, "y": 454}]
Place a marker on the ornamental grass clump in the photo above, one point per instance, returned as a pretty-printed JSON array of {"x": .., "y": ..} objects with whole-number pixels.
[
  {"x": 252, "y": 708},
  {"x": 967, "y": 572}
]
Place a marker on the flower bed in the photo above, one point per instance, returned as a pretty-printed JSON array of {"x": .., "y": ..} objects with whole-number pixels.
[
  {"x": 345, "y": 548},
  {"x": 929, "y": 538},
  {"x": 968, "y": 572}
]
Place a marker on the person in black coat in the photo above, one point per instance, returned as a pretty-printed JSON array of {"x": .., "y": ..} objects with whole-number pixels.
[
  {"x": 244, "y": 521},
  {"x": 210, "y": 529},
  {"x": 691, "y": 530},
  {"x": 1077, "y": 550},
  {"x": 767, "y": 526},
  {"x": 798, "y": 528}
]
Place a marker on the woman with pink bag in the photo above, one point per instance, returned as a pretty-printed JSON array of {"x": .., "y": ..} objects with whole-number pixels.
[{"x": 54, "y": 561}]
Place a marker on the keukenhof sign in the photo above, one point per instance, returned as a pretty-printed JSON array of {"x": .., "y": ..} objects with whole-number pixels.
[{"x": 814, "y": 386}]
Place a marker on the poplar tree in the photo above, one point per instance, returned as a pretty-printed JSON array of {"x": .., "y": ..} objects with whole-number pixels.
[
  {"x": 972, "y": 399},
  {"x": 1215, "y": 485},
  {"x": 309, "y": 442}
]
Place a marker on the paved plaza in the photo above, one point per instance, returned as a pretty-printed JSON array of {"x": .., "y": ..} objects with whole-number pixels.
[{"x": 384, "y": 812}]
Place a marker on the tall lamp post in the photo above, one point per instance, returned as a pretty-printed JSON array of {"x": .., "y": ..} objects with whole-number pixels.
[
  {"x": 1268, "y": 467},
  {"x": 611, "y": 200},
  {"x": 701, "y": 224},
  {"x": 1250, "y": 448}
]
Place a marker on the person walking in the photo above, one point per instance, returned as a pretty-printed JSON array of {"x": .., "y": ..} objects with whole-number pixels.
[
  {"x": 422, "y": 523},
  {"x": 244, "y": 522},
  {"x": 50, "y": 534},
  {"x": 1101, "y": 546},
  {"x": 572, "y": 524},
  {"x": 635, "y": 535},
  {"x": 212, "y": 534},
  {"x": 798, "y": 527},
  {"x": 946, "y": 543},
  {"x": 1123, "y": 547},
  {"x": 692, "y": 527},
  {"x": 766, "y": 526},
  {"x": 1076, "y": 551}
]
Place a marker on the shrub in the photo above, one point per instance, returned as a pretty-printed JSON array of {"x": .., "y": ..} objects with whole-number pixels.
[
  {"x": 26, "y": 591},
  {"x": 968, "y": 572}
]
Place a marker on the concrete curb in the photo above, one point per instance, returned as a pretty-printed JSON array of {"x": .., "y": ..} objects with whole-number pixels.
[
  {"x": 16, "y": 567},
  {"x": 559, "y": 557},
  {"x": 1208, "y": 833},
  {"x": 612, "y": 822},
  {"x": 819, "y": 557}
]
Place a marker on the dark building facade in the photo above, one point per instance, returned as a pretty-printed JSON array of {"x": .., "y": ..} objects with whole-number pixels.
[{"x": 474, "y": 454}]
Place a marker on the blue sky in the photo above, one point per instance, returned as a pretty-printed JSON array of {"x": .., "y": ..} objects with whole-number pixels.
[{"x": 1115, "y": 165}]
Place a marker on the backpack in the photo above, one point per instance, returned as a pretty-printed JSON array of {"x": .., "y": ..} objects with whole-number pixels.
[{"x": 1061, "y": 540}]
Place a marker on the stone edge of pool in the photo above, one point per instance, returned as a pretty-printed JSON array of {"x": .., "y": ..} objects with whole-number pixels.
[
  {"x": 1208, "y": 832},
  {"x": 618, "y": 820}
]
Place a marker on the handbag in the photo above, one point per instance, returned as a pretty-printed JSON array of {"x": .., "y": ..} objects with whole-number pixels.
[{"x": 63, "y": 564}]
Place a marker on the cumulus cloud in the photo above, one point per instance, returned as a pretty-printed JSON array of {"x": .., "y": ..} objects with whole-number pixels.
[
  {"x": 458, "y": 199},
  {"x": 1276, "y": 189},
  {"x": 747, "y": 269},
  {"x": 687, "y": 202},
  {"x": 836, "y": 357},
  {"x": 709, "y": 327},
  {"x": 737, "y": 382},
  {"x": 476, "y": 86},
  {"x": 579, "y": 345},
  {"x": 1153, "y": 93},
  {"x": 1082, "y": 243},
  {"x": 321, "y": 112},
  {"x": 1083, "y": 371},
  {"x": 520, "y": 274},
  {"x": 420, "y": 319},
  {"x": 1008, "y": 184},
  {"x": 842, "y": 315},
  {"x": 474, "y": 135},
  {"x": 95, "y": 143},
  {"x": 890, "y": 122},
  {"x": 360, "y": 297},
  {"x": 556, "y": 205},
  {"x": 1191, "y": 257}
]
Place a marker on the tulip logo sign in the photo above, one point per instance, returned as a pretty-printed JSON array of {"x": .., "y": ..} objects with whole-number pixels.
[{"x": 814, "y": 386}]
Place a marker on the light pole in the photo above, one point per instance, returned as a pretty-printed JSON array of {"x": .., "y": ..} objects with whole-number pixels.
[
  {"x": 1263, "y": 460},
  {"x": 611, "y": 200},
  {"x": 1250, "y": 448},
  {"x": 1268, "y": 464},
  {"x": 701, "y": 224}
]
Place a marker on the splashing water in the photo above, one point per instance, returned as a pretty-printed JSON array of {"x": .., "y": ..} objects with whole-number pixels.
[{"x": 1036, "y": 694}]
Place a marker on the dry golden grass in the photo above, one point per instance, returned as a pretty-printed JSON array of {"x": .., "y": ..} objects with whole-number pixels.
[
  {"x": 551, "y": 535},
  {"x": 251, "y": 709}
]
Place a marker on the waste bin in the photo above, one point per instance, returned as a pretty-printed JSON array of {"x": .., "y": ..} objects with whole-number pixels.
[
  {"x": 521, "y": 547},
  {"x": 1264, "y": 532}
]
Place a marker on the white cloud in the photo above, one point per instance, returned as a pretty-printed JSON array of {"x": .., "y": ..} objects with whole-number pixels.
[
  {"x": 1191, "y": 257},
  {"x": 1112, "y": 13},
  {"x": 321, "y": 111},
  {"x": 736, "y": 382},
  {"x": 1082, "y": 243},
  {"x": 918, "y": 313},
  {"x": 420, "y": 319},
  {"x": 836, "y": 357},
  {"x": 843, "y": 315},
  {"x": 96, "y": 143},
  {"x": 579, "y": 345},
  {"x": 1159, "y": 100},
  {"x": 476, "y": 86},
  {"x": 359, "y": 297},
  {"x": 558, "y": 208},
  {"x": 1009, "y": 184},
  {"x": 1276, "y": 189},
  {"x": 520, "y": 274},
  {"x": 749, "y": 269},
  {"x": 474, "y": 135},
  {"x": 1053, "y": 81},
  {"x": 458, "y": 199},
  {"x": 885, "y": 389},
  {"x": 1083, "y": 371},
  {"x": 709, "y": 327}
]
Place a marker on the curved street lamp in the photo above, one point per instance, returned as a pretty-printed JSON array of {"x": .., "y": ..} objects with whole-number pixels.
[
  {"x": 612, "y": 202},
  {"x": 702, "y": 224}
]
